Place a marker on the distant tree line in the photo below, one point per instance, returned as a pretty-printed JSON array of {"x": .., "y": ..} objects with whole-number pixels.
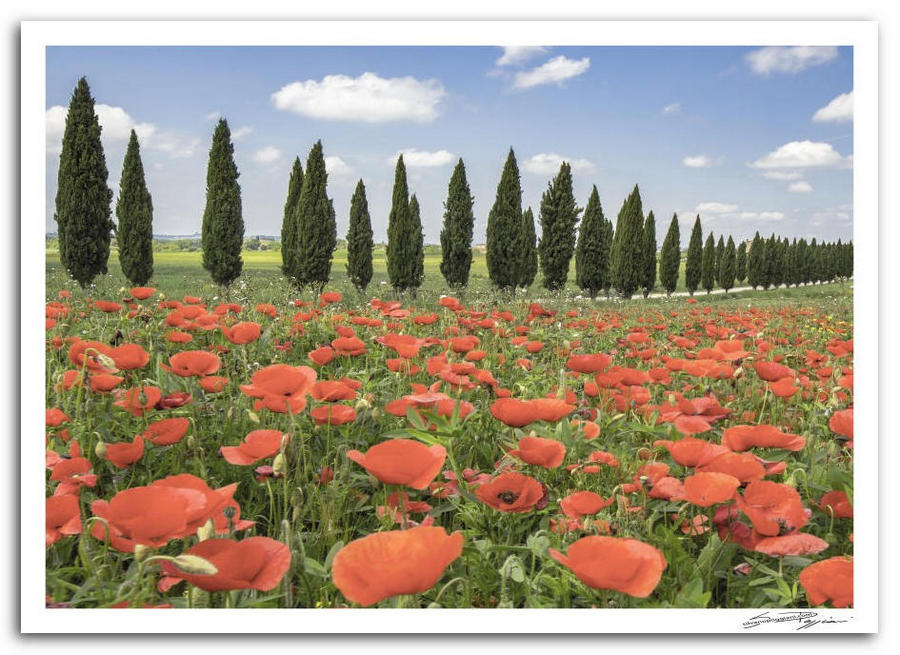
[{"x": 621, "y": 259}]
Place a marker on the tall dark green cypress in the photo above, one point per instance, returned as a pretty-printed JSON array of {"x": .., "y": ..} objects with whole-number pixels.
[
  {"x": 289, "y": 220},
  {"x": 591, "y": 252},
  {"x": 727, "y": 266},
  {"x": 527, "y": 262},
  {"x": 82, "y": 196},
  {"x": 670, "y": 257},
  {"x": 608, "y": 237},
  {"x": 693, "y": 265},
  {"x": 628, "y": 246},
  {"x": 134, "y": 209},
  {"x": 559, "y": 218},
  {"x": 720, "y": 250},
  {"x": 400, "y": 244},
  {"x": 359, "y": 240},
  {"x": 316, "y": 225},
  {"x": 708, "y": 264},
  {"x": 740, "y": 263},
  {"x": 649, "y": 251},
  {"x": 755, "y": 262},
  {"x": 812, "y": 271},
  {"x": 802, "y": 262},
  {"x": 770, "y": 262},
  {"x": 456, "y": 235},
  {"x": 223, "y": 223},
  {"x": 417, "y": 240},
  {"x": 504, "y": 258}
]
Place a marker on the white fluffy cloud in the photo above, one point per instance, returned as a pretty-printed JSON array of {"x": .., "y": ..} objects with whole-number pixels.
[
  {"x": 839, "y": 110},
  {"x": 781, "y": 59},
  {"x": 555, "y": 70},
  {"x": 802, "y": 154},
  {"x": 672, "y": 108},
  {"x": 701, "y": 161},
  {"x": 367, "y": 98},
  {"x": 516, "y": 54},
  {"x": 716, "y": 208},
  {"x": 762, "y": 216},
  {"x": 414, "y": 158},
  {"x": 782, "y": 175},
  {"x": 548, "y": 163},
  {"x": 801, "y": 186},
  {"x": 267, "y": 155},
  {"x": 336, "y": 166},
  {"x": 241, "y": 132}
]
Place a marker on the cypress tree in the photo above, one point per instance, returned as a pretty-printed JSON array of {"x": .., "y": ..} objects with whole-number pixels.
[
  {"x": 755, "y": 258},
  {"x": 316, "y": 225},
  {"x": 727, "y": 266},
  {"x": 608, "y": 237},
  {"x": 801, "y": 262},
  {"x": 812, "y": 274},
  {"x": 82, "y": 196},
  {"x": 670, "y": 257},
  {"x": 400, "y": 246},
  {"x": 628, "y": 246},
  {"x": 708, "y": 264},
  {"x": 649, "y": 279},
  {"x": 559, "y": 216},
  {"x": 591, "y": 252},
  {"x": 769, "y": 263},
  {"x": 289, "y": 220},
  {"x": 417, "y": 241},
  {"x": 359, "y": 240},
  {"x": 456, "y": 235},
  {"x": 740, "y": 263},
  {"x": 693, "y": 266},
  {"x": 505, "y": 261},
  {"x": 134, "y": 209},
  {"x": 720, "y": 250},
  {"x": 223, "y": 223},
  {"x": 527, "y": 263}
]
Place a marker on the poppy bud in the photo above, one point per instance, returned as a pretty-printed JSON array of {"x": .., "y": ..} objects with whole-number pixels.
[
  {"x": 195, "y": 565},
  {"x": 105, "y": 360},
  {"x": 279, "y": 465},
  {"x": 141, "y": 551},
  {"x": 206, "y": 531},
  {"x": 100, "y": 450},
  {"x": 831, "y": 538},
  {"x": 190, "y": 441}
]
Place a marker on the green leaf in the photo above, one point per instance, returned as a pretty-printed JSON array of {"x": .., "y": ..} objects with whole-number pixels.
[
  {"x": 331, "y": 553},
  {"x": 314, "y": 568},
  {"x": 513, "y": 569},
  {"x": 692, "y": 594}
]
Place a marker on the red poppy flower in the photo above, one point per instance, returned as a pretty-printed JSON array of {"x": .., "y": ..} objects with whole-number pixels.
[
  {"x": 838, "y": 503},
  {"x": 548, "y": 453},
  {"x": 190, "y": 363},
  {"x": 176, "y": 336},
  {"x": 257, "y": 445},
  {"x": 583, "y": 503},
  {"x": 772, "y": 371},
  {"x": 593, "y": 363},
  {"x": 93, "y": 355},
  {"x": 123, "y": 455},
  {"x": 129, "y": 356},
  {"x": 241, "y": 333},
  {"x": 512, "y": 492},
  {"x": 167, "y": 431},
  {"x": 321, "y": 356},
  {"x": 215, "y": 502},
  {"x": 740, "y": 465},
  {"x": 281, "y": 388},
  {"x": 745, "y": 437},
  {"x": 104, "y": 382},
  {"x": 773, "y": 508},
  {"x": 331, "y": 391},
  {"x": 705, "y": 489},
  {"x": 796, "y": 543},
  {"x": 212, "y": 383},
  {"x": 63, "y": 517},
  {"x": 691, "y": 452},
  {"x": 388, "y": 564},
  {"x": 514, "y": 412},
  {"x": 552, "y": 409},
  {"x": 784, "y": 388},
  {"x": 142, "y": 293},
  {"x": 254, "y": 563},
  {"x": 402, "y": 461},
  {"x": 333, "y": 414},
  {"x": 351, "y": 346},
  {"x": 841, "y": 422},
  {"x": 55, "y": 417},
  {"x": 830, "y": 579},
  {"x": 72, "y": 474},
  {"x": 627, "y": 565}
]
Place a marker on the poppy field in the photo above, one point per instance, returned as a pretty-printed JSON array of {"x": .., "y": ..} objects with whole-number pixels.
[{"x": 270, "y": 448}]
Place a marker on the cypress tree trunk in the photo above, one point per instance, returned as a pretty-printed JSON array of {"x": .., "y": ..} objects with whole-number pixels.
[
  {"x": 505, "y": 261},
  {"x": 708, "y": 266},
  {"x": 82, "y": 195},
  {"x": 456, "y": 235},
  {"x": 134, "y": 209},
  {"x": 693, "y": 266},
  {"x": 316, "y": 226},
  {"x": 591, "y": 255},
  {"x": 670, "y": 257},
  {"x": 559, "y": 216},
  {"x": 289, "y": 221},
  {"x": 359, "y": 240},
  {"x": 223, "y": 222},
  {"x": 649, "y": 250}
]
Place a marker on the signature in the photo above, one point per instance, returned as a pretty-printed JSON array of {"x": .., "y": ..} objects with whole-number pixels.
[{"x": 804, "y": 619}]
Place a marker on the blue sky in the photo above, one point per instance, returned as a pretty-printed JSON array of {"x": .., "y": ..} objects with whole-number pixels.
[{"x": 749, "y": 138}]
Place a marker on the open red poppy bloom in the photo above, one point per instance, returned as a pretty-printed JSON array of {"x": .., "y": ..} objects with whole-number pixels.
[
  {"x": 215, "y": 502},
  {"x": 743, "y": 466},
  {"x": 63, "y": 517},
  {"x": 774, "y": 509},
  {"x": 538, "y": 451},
  {"x": 212, "y": 383},
  {"x": 691, "y": 424},
  {"x": 388, "y": 564},
  {"x": 841, "y": 422},
  {"x": 691, "y": 451},
  {"x": 281, "y": 387},
  {"x": 402, "y": 461},
  {"x": 257, "y": 445},
  {"x": 772, "y": 371},
  {"x": 123, "y": 455},
  {"x": 93, "y": 355},
  {"x": 514, "y": 412},
  {"x": 627, "y": 565},
  {"x": 333, "y": 414},
  {"x": 512, "y": 492},
  {"x": 592, "y": 363},
  {"x": 705, "y": 489},
  {"x": 321, "y": 356},
  {"x": 552, "y": 409},
  {"x": 193, "y": 363},
  {"x": 331, "y": 391},
  {"x": 254, "y": 563},
  {"x": 583, "y": 503},
  {"x": 745, "y": 437},
  {"x": 838, "y": 503},
  {"x": 241, "y": 333},
  {"x": 142, "y": 293},
  {"x": 167, "y": 431},
  {"x": 829, "y": 580},
  {"x": 796, "y": 543},
  {"x": 129, "y": 356}
]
